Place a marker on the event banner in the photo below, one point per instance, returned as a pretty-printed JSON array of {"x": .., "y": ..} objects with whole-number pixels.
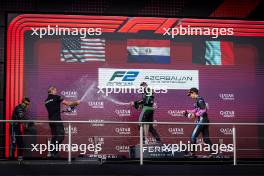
[{"x": 157, "y": 78}]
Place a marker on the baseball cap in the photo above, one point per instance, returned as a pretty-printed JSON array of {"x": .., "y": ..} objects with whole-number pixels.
[
  {"x": 191, "y": 90},
  {"x": 26, "y": 100}
]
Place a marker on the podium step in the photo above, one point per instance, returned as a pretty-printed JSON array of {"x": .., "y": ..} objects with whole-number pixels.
[{"x": 153, "y": 151}]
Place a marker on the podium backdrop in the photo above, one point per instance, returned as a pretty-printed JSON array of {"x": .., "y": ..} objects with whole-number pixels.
[{"x": 123, "y": 51}]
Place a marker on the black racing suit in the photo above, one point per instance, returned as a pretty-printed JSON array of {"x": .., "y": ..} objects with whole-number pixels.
[
  {"x": 147, "y": 111},
  {"x": 200, "y": 112},
  {"x": 52, "y": 104},
  {"x": 17, "y": 140}
]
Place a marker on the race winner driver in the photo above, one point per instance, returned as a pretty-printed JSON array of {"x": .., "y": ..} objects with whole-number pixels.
[{"x": 147, "y": 112}]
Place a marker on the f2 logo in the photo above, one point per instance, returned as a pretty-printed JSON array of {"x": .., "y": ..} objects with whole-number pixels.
[{"x": 126, "y": 76}]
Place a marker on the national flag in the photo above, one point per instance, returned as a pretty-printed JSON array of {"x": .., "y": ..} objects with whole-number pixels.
[
  {"x": 214, "y": 53},
  {"x": 76, "y": 49},
  {"x": 148, "y": 51}
]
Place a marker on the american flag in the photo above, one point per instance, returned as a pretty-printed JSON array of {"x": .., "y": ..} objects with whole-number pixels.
[{"x": 76, "y": 49}]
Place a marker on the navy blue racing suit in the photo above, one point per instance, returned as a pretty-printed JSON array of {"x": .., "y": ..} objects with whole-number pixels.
[
  {"x": 17, "y": 139},
  {"x": 200, "y": 111}
]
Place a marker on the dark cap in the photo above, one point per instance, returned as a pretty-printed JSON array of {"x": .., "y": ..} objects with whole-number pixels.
[
  {"x": 25, "y": 99},
  {"x": 193, "y": 89},
  {"x": 143, "y": 83}
]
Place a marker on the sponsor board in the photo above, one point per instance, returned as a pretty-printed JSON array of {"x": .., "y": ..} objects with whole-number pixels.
[
  {"x": 176, "y": 113},
  {"x": 123, "y": 130},
  {"x": 156, "y": 78},
  {"x": 226, "y": 131},
  {"x": 74, "y": 130},
  {"x": 227, "y": 114},
  {"x": 69, "y": 93},
  {"x": 96, "y": 104},
  {"x": 227, "y": 96},
  {"x": 176, "y": 131},
  {"x": 123, "y": 112}
]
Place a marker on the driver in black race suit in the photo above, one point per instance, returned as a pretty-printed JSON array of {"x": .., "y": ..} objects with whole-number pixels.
[{"x": 147, "y": 112}]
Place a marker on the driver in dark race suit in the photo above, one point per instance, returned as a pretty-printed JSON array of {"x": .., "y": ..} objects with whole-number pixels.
[
  {"x": 200, "y": 113},
  {"x": 147, "y": 112},
  {"x": 19, "y": 113}
]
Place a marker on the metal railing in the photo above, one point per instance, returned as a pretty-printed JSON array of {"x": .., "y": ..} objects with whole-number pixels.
[{"x": 234, "y": 137}]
